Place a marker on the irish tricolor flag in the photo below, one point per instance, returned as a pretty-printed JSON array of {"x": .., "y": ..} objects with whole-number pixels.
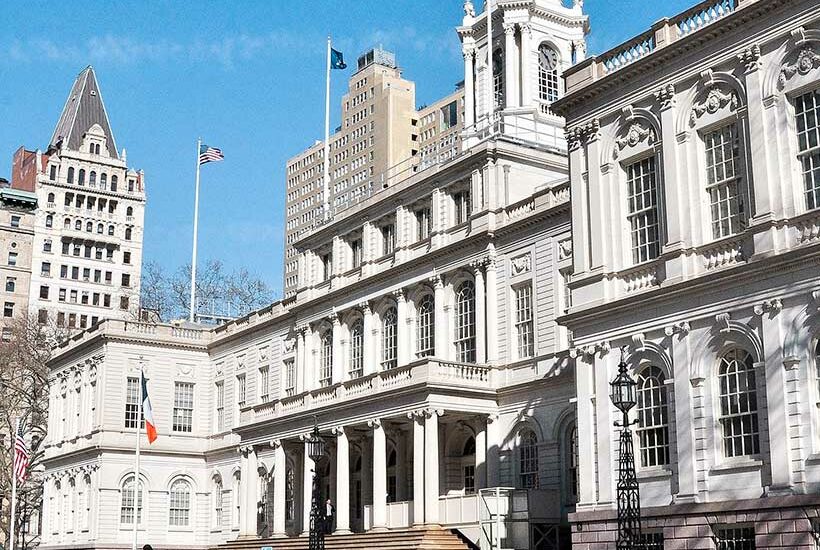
[{"x": 147, "y": 413}]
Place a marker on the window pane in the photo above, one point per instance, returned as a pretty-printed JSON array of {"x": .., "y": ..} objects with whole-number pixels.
[
  {"x": 523, "y": 321},
  {"x": 642, "y": 202},
  {"x": 183, "y": 406},
  {"x": 738, "y": 404},
  {"x": 807, "y": 118},
  {"x": 425, "y": 327},
  {"x": 465, "y": 323},
  {"x": 653, "y": 423}
]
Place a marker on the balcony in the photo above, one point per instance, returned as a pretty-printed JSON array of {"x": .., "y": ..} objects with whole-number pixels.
[{"x": 425, "y": 372}]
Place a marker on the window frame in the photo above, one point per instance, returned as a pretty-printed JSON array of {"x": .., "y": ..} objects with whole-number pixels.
[
  {"x": 730, "y": 418},
  {"x": 183, "y": 410},
  {"x": 738, "y": 218},
  {"x": 357, "y": 336},
  {"x": 642, "y": 251},
  {"x": 527, "y": 462},
  {"x": 136, "y": 501},
  {"x": 180, "y": 505},
  {"x": 426, "y": 326},
  {"x": 465, "y": 323},
  {"x": 389, "y": 337},
  {"x": 810, "y": 152},
  {"x": 524, "y": 326},
  {"x": 654, "y": 444}
]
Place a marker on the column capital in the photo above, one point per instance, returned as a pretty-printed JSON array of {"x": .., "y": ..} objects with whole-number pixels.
[
  {"x": 509, "y": 28},
  {"x": 399, "y": 294},
  {"x": 338, "y": 430},
  {"x": 334, "y": 319},
  {"x": 479, "y": 264},
  {"x": 750, "y": 57},
  {"x": 666, "y": 97},
  {"x": 418, "y": 414},
  {"x": 431, "y": 412},
  {"x": 468, "y": 51},
  {"x": 301, "y": 330},
  {"x": 437, "y": 280},
  {"x": 526, "y": 29},
  {"x": 365, "y": 307},
  {"x": 374, "y": 423},
  {"x": 276, "y": 443}
]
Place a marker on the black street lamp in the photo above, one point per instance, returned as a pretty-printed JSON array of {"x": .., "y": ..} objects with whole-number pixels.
[
  {"x": 316, "y": 451},
  {"x": 623, "y": 393}
]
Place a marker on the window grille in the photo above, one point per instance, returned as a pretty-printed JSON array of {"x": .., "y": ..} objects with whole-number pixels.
[
  {"x": 523, "y": 321},
  {"x": 465, "y": 323},
  {"x": 426, "y": 327},
  {"x": 389, "y": 338},
  {"x": 735, "y": 538},
  {"x": 807, "y": 113},
  {"x": 356, "y": 349},
  {"x": 218, "y": 503},
  {"x": 738, "y": 404},
  {"x": 642, "y": 200},
  {"x": 724, "y": 182},
  {"x": 653, "y": 418},
  {"x": 183, "y": 406},
  {"x": 651, "y": 541}
]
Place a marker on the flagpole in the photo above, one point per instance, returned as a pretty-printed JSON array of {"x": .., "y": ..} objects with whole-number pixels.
[
  {"x": 196, "y": 222},
  {"x": 13, "y": 519},
  {"x": 136, "y": 486},
  {"x": 326, "y": 179}
]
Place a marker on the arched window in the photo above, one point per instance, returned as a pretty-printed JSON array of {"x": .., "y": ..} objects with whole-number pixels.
[
  {"x": 217, "y": 519},
  {"x": 100, "y": 228},
  {"x": 114, "y": 183},
  {"x": 547, "y": 74},
  {"x": 738, "y": 404},
  {"x": 51, "y": 197},
  {"x": 111, "y": 230},
  {"x": 425, "y": 327},
  {"x": 129, "y": 211},
  {"x": 81, "y": 177},
  {"x": 642, "y": 204},
  {"x": 78, "y": 225},
  {"x": 356, "y": 349},
  {"x": 808, "y": 126},
  {"x": 103, "y": 180},
  {"x": 468, "y": 465},
  {"x": 725, "y": 183},
  {"x": 89, "y": 226},
  {"x": 179, "y": 504},
  {"x": 528, "y": 459},
  {"x": 653, "y": 418},
  {"x": 465, "y": 322},
  {"x": 49, "y": 220},
  {"x": 70, "y": 177},
  {"x": 127, "y": 233},
  {"x": 130, "y": 502},
  {"x": 571, "y": 458},
  {"x": 237, "y": 499},
  {"x": 92, "y": 178},
  {"x": 67, "y": 223},
  {"x": 498, "y": 78},
  {"x": 326, "y": 358},
  {"x": 390, "y": 339}
]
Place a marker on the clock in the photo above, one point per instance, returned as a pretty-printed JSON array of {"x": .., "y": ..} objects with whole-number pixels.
[{"x": 548, "y": 57}]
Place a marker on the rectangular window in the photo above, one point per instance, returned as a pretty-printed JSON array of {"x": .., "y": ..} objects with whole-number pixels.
[
  {"x": 523, "y": 321},
  {"x": 290, "y": 378},
  {"x": 43, "y": 292},
  {"x": 356, "y": 252},
  {"x": 642, "y": 201},
  {"x": 132, "y": 396},
  {"x": 8, "y": 309},
  {"x": 327, "y": 266},
  {"x": 449, "y": 115},
  {"x": 75, "y": 273},
  {"x": 264, "y": 383},
  {"x": 723, "y": 181},
  {"x": 183, "y": 407},
  {"x": 424, "y": 224},
  {"x": 735, "y": 538},
  {"x": 126, "y": 279},
  {"x": 11, "y": 284},
  {"x": 47, "y": 246},
  {"x": 15, "y": 221},
  {"x": 807, "y": 114},
  {"x": 469, "y": 479},
  {"x": 388, "y": 239},
  {"x": 42, "y": 316},
  {"x": 220, "y": 406},
  {"x": 240, "y": 390},
  {"x": 45, "y": 269},
  {"x": 12, "y": 258}
]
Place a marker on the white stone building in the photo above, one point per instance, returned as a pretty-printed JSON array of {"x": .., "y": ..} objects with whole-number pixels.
[
  {"x": 695, "y": 184},
  {"x": 88, "y": 228},
  {"x": 422, "y": 340}
]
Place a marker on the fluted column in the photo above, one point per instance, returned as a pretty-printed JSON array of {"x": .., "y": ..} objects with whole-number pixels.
[
  {"x": 279, "y": 480},
  {"x": 379, "y": 475},
  {"x": 440, "y": 318},
  {"x": 480, "y": 315},
  {"x": 492, "y": 311},
  {"x": 342, "y": 481},
  {"x": 510, "y": 81},
  {"x": 526, "y": 56},
  {"x": 468, "y": 51},
  {"x": 367, "y": 344},
  {"x": 404, "y": 338},
  {"x": 417, "y": 418},
  {"x": 431, "y": 473},
  {"x": 338, "y": 356}
]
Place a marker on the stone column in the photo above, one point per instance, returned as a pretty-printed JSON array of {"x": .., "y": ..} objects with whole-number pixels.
[
  {"x": 307, "y": 485},
  {"x": 440, "y": 321},
  {"x": 492, "y": 309},
  {"x": 379, "y": 475},
  {"x": 481, "y": 454},
  {"x": 338, "y": 356},
  {"x": 510, "y": 81},
  {"x": 599, "y": 210},
  {"x": 403, "y": 335},
  {"x": 493, "y": 439},
  {"x": 342, "y": 481},
  {"x": 250, "y": 480},
  {"x": 431, "y": 473},
  {"x": 416, "y": 418},
  {"x": 241, "y": 498},
  {"x": 480, "y": 314},
  {"x": 401, "y": 465},
  {"x": 367, "y": 345},
  {"x": 468, "y": 51},
  {"x": 607, "y": 444},
  {"x": 526, "y": 55},
  {"x": 585, "y": 390},
  {"x": 279, "y": 480},
  {"x": 684, "y": 421},
  {"x": 300, "y": 360}
]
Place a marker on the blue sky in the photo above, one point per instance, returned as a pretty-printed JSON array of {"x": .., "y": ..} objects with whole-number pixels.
[{"x": 245, "y": 75}]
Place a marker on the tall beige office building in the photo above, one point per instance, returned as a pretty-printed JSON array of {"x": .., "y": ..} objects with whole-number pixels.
[{"x": 382, "y": 139}]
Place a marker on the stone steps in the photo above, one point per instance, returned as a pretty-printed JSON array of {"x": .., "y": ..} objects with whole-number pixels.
[{"x": 404, "y": 539}]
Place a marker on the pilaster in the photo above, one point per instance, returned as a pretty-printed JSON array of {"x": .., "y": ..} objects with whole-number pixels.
[{"x": 379, "y": 475}]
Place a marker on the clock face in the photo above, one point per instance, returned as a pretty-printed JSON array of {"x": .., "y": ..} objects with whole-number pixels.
[{"x": 548, "y": 57}]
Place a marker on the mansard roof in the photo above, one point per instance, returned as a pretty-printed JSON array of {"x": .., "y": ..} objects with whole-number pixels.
[{"x": 83, "y": 109}]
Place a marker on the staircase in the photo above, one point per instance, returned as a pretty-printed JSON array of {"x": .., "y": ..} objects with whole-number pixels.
[{"x": 400, "y": 539}]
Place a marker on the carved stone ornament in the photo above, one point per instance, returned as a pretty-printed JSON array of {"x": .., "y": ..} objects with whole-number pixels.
[
  {"x": 714, "y": 101},
  {"x": 750, "y": 57},
  {"x": 806, "y": 61},
  {"x": 521, "y": 265},
  {"x": 185, "y": 370},
  {"x": 469, "y": 10},
  {"x": 263, "y": 354},
  {"x": 288, "y": 344},
  {"x": 635, "y": 135},
  {"x": 565, "y": 249},
  {"x": 220, "y": 368},
  {"x": 666, "y": 96}
]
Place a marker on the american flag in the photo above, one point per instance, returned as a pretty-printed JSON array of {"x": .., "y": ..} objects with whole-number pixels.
[
  {"x": 21, "y": 455},
  {"x": 210, "y": 154}
]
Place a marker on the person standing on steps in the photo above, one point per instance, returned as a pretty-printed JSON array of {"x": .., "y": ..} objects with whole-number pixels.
[{"x": 329, "y": 512}]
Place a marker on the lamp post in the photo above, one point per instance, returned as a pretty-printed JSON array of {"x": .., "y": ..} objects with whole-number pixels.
[
  {"x": 316, "y": 451},
  {"x": 623, "y": 392}
]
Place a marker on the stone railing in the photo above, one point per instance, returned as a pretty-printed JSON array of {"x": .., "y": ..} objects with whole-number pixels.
[
  {"x": 137, "y": 329},
  {"x": 639, "y": 278},
  {"x": 547, "y": 196},
  {"x": 722, "y": 253},
  {"x": 628, "y": 53},
  {"x": 808, "y": 228},
  {"x": 702, "y": 15},
  {"x": 431, "y": 372},
  {"x": 521, "y": 208}
]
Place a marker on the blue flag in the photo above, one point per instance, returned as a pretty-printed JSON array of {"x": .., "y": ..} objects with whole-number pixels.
[{"x": 337, "y": 60}]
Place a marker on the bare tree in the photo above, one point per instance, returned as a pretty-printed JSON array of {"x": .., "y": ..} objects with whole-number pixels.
[
  {"x": 24, "y": 394},
  {"x": 169, "y": 296}
]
